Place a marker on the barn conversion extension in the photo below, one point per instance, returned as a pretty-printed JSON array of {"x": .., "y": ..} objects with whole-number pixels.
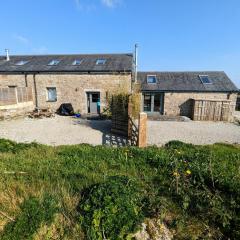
[{"x": 174, "y": 93}]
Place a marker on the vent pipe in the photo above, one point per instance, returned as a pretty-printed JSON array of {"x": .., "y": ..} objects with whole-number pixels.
[
  {"x": 135, "y": 62},
  {"x": 7, "y": 55}
]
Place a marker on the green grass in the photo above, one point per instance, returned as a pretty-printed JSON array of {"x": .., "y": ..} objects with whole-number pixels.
[{"x": 195, "y": 190}]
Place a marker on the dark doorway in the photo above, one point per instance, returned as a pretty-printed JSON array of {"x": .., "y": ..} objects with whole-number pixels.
[{"x": 93, "y": 102}]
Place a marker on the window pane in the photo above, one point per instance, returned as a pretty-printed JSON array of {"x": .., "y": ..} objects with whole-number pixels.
[
  {"x": 147, "y": 103},
  {"x": 101, "y": 61},
  {"x": 54, "y": 62},
  {"x": 95, "y": 97},
  {"x": 157, "y": 103},
  {"x": 52, "y": 94},
  {"x": 205, "y": 79},
  {"x": 21, "y": 63},
  {"x": 151, "y": 79},
  {"x": 77, "y": 62}
]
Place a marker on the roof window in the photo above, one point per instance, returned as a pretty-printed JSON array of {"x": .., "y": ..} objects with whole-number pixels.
[
  {"x": 151, "y": 79},
  {"x": 205, "y": 79},
  {"x": 21, "y": 63},
  {"x": 77, "y": 62},
  {"x": 54, "y": 62},
  {"x": 101, "y": 61}
]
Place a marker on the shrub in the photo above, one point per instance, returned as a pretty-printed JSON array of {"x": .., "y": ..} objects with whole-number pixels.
[
  {"x": 33, "y": 213},
  {"x": 112, "y": 209}
]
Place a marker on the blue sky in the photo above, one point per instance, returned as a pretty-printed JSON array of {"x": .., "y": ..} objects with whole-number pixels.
[{"x": 173, "y": 35}]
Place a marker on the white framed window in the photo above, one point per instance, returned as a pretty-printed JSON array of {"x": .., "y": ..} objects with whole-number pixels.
[
  {"x": 54, "y": 62},
  {"x": 21, "y": 63},
  {"x": 101, "y": 61},
  {"x": 151, "y": 79},
  {"x": 77, "y": 62},
  {"x": 51, "y": 94}
]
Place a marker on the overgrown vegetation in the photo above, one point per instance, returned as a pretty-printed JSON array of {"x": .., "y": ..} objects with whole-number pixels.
[
  {"x": 77, "y": 192},
  {"x": 33, "y": 213},
  {"x": 113, "y": 209},
  {"x": 119, "y": 102}
]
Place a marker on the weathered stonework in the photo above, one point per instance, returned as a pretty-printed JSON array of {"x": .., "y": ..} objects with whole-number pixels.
[
  {"x": 180, "y": 104},
  {"x": 71, "y": 88},
  {"x": 15, "y": 110}
]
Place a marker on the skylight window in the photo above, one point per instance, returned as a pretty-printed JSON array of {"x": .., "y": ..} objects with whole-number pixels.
[
  {"x": 205, "y": 79},
  {"x": 22, "y": 62},
  {"x": 54, "y": 62},
  {"x": 151, "y": 79},
  {"x": 101, "y": 61},
  {"x": 77, "y": 62}
]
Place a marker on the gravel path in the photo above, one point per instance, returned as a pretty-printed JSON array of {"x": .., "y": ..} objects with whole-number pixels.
[
  {"x": 66, "y": 131},
  {"x": 54, "y": 131},
  {"x": 160, "y": 133}
]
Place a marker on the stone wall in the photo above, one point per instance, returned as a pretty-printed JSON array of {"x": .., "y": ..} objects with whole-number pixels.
[
  {"x": 15, "y": 110},
  {"x": 71, "y": 88},
  {"x": 238, "y": 103},
  {"x": 180, "y": 104}
]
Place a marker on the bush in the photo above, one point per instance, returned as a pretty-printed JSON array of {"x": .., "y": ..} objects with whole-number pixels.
[
  {"x": 111, "y": 210},
  {"x": 33, "y": 213}
]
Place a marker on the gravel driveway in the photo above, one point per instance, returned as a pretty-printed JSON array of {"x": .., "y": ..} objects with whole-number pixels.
[
  {"x": 193, "y": 132},
  {"x": 66, "y": 130}
]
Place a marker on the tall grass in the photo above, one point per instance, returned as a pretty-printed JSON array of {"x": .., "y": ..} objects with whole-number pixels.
[{"x": 195, "y": 190}]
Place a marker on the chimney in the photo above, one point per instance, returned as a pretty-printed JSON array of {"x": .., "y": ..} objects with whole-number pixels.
[
  {"x": 7, "y": 55},
  {"x": 135, "y": 63}
]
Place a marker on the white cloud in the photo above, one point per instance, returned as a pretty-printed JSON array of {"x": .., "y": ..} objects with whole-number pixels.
[
  {"x": 110, "y": 3},
  {"x": 22, "y": 39}
]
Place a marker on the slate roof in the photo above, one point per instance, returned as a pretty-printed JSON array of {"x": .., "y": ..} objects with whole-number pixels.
[
  {"x": 187, "y": 82},
  {"x": 39, "y": 63}
]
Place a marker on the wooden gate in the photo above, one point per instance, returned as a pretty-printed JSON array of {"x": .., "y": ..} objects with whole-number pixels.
[
  {"x": 119, "y": 110},
  {"x": 212, "y": 110},
  {"x": 123, "y": 122}
]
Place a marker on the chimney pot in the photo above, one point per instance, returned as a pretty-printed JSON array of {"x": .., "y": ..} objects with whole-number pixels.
[{"x": 7, "y": 55}]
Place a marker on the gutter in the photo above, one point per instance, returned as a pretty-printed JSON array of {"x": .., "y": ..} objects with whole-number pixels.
[
  {"x": 64, "y": 72},
  {"x": 189, "y": 91}
]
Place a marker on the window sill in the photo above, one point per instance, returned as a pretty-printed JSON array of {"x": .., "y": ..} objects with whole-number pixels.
[{"x": 51, "y": 101}]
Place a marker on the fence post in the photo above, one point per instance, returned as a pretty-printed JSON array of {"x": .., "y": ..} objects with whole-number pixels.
[
  {"x": 16, "y": 94},
  {"x": 142, "y": 128},
  {"x": 129, "y": 120}
]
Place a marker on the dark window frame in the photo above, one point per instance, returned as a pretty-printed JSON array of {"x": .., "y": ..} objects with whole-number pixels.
[
  {"x": 51, "y": 100},
  {"x": 202, "y": 77},
  {"x": 101, "y": 61},
  {"x": 151, "y": 76},
  {"x": 77, "y": 62},
  {"x": 54, "y": 62},
  {"x": 21, "y": 62}
]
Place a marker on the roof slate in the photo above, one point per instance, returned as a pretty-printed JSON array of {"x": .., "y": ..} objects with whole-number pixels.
[
  {"x": 39, "y": 63},
  {"x": 187, "y": 81}
]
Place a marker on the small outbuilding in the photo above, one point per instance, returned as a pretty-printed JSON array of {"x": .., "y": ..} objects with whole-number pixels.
[{"x": 190, "y": 94}]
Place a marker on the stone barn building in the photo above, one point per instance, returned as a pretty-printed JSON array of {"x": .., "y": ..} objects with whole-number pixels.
[
  {"x": 82, "y": 80},
  {"x": 173, "y": 93},
  {"x": 85, "y": 80}
]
